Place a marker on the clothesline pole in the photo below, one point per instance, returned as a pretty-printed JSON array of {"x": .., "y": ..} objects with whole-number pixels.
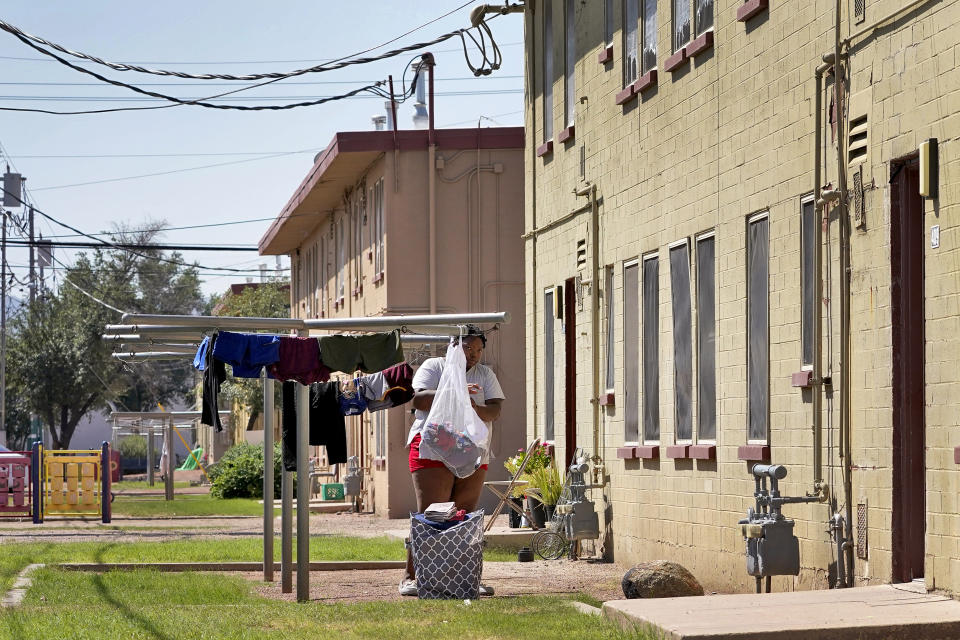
[
  {"x": 267, "y": 477},
  {"x": 286, "y": 531},
  {"x": 303, "y": 489},
  {"x": 168, "y": 486}
]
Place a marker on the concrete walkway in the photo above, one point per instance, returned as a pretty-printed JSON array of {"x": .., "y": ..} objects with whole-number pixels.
[{"x": 863, "y": 613}]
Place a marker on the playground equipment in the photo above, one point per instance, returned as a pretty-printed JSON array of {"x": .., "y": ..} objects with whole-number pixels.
[{"x": 48, "y": 482}]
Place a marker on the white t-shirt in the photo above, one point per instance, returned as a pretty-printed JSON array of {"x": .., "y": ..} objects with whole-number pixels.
[{"x": 428, "y": 377}]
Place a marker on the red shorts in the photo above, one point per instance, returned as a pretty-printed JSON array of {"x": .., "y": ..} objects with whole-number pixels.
[{"x": 417, "y": 463}]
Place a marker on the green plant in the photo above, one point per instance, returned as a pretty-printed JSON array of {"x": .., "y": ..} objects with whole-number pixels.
[
  {"x": 133, "y": 447},
  {"x": 539, "y": 458},
  {"x": 545, "y": 484},
  {"x": 239, "y": 472}
]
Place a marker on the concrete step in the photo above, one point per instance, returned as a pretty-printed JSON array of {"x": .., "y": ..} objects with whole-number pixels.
[
  {"x": 865, "y": 613},
  {"x": 320, "y": 506}
]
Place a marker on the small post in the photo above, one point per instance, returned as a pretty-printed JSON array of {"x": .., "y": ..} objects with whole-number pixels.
[
  {"x": 36, "y": 481},
  {"x": 149, "y": 456},
  {"x": 168, "y": 436},
  {"x": 267, "y": 477},
  {"x": 106, "y": 478}
]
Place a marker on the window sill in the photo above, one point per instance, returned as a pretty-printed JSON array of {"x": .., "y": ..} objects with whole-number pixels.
[
  {"x": 370, "y": 256},
  {"x": 380, "y": 464},
  {"x": 646, "y": 81},
  {"x": 626, "y": 95},
  {"x": 648, "y": 451},
  {"x": 802, "y": 379},
  {"x": 566, "y": 134},
  {"x": 678, "y": 451},
  {"x": 627, "y": 453},
  {"x": 338, "y": 303},
  {"x": 378, "y": 278},
  {"x": 956, "y": 455},
  {"x": 607, "y": 400},
  {"x": 606, "y": 54},
  {"x": 703, "y": 451},
  {"x": 358, "y": 291},
  {"x": 701, "y": 44},
  {"x": 545, "y": 148},
  {"x": 674, "y": 62},
  {"x": 751, "y": 8},
  {"x": 754, "y": 452}
]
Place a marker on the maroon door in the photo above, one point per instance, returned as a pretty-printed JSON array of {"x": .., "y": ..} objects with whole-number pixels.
[
  {"x": 570, "y": 355},
  {"x": 906, "y": 257}
]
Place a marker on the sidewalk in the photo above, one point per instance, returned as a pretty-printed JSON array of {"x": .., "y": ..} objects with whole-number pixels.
[{"x": 863, "y": 613}]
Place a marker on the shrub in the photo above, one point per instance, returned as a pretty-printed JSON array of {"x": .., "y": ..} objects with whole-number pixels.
[{"x": 239, "y": 473}]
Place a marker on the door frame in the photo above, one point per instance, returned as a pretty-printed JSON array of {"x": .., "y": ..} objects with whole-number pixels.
[{"x": 570, "y": 369}]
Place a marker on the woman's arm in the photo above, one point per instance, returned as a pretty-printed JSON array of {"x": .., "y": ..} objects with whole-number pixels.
[
  {"x": 491, "y": 411},
  {"x": 423, "y": 399}
]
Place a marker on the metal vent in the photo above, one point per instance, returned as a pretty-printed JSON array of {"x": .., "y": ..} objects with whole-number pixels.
[
  {"x": 581, "y": 253},
  {"x": 857, "y": 199},
  {"x": 583, "y": 162},
  {"x": 859, "y": 11},
  {"x": 862, "y": 531},
  {"x": 858, "y": 139}
]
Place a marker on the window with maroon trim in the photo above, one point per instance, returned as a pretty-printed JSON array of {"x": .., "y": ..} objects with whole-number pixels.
[
  {"x": 808, "y": 310},
  {"x": 380, "y": 431},
  {"x": 703, "y": 16},
  {"x": 608, "y": 22},
  {"x": 682, "y": 341},
  {"x": 706, "y": 340},
  {"x": 547, "y": 77},
  {"x": 631, "y": 44},
  {"x": 549, "y": 377},
  {"x": 681, "y": 24},
  {"x": 341, "y": 256},
  {"x": 649, "y": 53},
  {"x": 758, "y": 328},
  {"x": 570, "y": 61},
  {"x": 379, "y": 262},
  {"x": 611, "y": 326},
  {"x": 631, "y": 351},
  {"x": 651, "y": 348}
]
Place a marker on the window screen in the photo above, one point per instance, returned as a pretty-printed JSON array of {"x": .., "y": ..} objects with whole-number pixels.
[
  {"x": 548, "y": 366},
  {"x": 548, "y": 70},
  {"x": 649, "y": 35},
  {"x": 682, "y": 342},
  {"x": 706, "y": 342},
  {"x": 631, "y": 352},
  {"x": 651, "y": 346},
  {"x": 570, "y": 61},
  {"x": 631, "y": 15},
  {"x": 758, "y": 328},
  {"x": 681, "y": 23},
  {"x": 704, "y": 17},
  {"x": 611, "y": 309},
  {"x": 808, "y": 284}
]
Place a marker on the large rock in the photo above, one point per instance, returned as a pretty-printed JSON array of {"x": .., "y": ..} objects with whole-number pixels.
[{"x": 659, "y": 579}]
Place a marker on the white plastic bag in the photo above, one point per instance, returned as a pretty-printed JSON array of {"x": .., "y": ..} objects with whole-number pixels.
[{"x": 453, "y": 433}]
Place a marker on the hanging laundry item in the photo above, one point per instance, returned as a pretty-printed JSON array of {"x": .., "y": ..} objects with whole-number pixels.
[
  {"x": 247, "y": 353},
  {"x": 368, "y": 353},
  {"x": 214, "y": 373},
  {"x": 327, "y": 426},
  {"x": 389, "y": 388},
  {"x": 352, "y": 400},
  {"x": 200, "y": 360},
  {"x": 324, "y": 420},
  {"x": 288, "y": 425},
  {"x": 299, "y": 359}
]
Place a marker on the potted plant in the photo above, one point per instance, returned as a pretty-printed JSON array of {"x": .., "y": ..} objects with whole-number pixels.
[
  {"x": 544, "y": 489},
  {"x": 539, "y": 458}
]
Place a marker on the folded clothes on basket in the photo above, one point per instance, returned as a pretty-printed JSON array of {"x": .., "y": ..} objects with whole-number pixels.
[{"x": 440, "y": 511}]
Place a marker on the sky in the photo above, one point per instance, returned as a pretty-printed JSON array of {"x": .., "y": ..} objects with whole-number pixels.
[{"x": 97, "y": 171}]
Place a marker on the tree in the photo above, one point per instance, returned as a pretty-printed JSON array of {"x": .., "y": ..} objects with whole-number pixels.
[
  {"x": 59, "y": 366},
  {"x": 266, "y": 300}
]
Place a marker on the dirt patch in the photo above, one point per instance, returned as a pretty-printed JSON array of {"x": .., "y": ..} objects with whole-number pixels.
[{"x": 599, "y": 580}]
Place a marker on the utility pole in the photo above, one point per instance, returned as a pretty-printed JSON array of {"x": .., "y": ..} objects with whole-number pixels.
[
  {"x": 33, "y": 273},
  {"x": 3, "y": 330}
]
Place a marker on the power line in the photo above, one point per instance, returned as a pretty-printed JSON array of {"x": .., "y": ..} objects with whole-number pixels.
[
  {"x": 230, "y": 84},
  {"x": 326, "y": 66},
  {"x": 80, "y": 98},
  {"x": 128, "y": 245}
]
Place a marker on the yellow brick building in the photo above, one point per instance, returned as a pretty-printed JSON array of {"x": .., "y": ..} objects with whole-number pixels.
[{"x": 703, "y": 283}]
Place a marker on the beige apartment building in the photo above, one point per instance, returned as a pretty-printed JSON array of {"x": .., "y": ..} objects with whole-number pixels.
[
  {"x": 357, "y": 230},
  {"x": 733, "y": 258}
]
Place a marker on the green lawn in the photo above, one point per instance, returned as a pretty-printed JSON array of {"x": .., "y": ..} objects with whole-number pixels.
[
  {"x": 158, "y": 484},
  {"x": 14, "y": 557},
  {"x": 149, "y": 605},
  {"x": 185, "y": 505}
]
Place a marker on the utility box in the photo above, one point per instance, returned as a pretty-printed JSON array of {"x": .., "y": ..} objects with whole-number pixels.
[
  {"x": 772, "y": 549},
  {"x": 581, "y": 523}
]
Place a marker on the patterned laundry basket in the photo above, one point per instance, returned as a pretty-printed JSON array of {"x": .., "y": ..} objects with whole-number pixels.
[{"x": 448, "y": 556}]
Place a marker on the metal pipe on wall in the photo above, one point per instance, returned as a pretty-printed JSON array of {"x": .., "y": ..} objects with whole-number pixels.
[
  {"x": 268, "y": 415},
  {"x": 428, "y": 60}
]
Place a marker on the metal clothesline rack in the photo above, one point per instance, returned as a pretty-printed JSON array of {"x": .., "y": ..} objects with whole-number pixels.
[{"x": 147, "y": 329}]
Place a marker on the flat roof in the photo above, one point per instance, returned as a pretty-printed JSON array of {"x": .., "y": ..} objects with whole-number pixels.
[{"x": 349, "y": 153}]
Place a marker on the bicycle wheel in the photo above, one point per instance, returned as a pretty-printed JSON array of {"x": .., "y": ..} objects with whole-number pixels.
[{"x": 549, "y": 545}]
